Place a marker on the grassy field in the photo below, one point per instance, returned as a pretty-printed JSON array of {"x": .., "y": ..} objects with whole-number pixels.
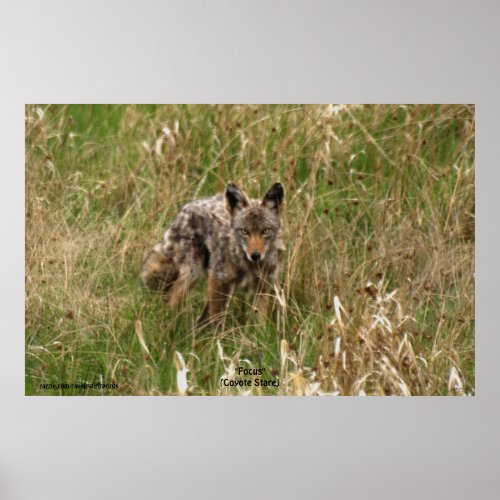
[{"x": 376, "y": 293}]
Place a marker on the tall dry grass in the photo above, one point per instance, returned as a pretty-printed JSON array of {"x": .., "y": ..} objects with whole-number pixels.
[{"x": 376, "y": 294}]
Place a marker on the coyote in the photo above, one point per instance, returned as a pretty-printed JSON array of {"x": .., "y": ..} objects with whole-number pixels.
[{"x": 230, "y": 238}]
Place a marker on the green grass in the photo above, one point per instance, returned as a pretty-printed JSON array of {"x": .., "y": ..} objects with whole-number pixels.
[{"x": 375, "y": 194}]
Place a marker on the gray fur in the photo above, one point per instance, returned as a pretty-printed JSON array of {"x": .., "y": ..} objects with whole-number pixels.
[{"x": 211, "y": 236}]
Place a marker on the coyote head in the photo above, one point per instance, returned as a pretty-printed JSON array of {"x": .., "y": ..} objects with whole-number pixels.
[{"x": 256, "y": 223}]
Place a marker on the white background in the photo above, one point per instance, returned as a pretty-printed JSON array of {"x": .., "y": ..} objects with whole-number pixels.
[{"x": 248, "y": 52}]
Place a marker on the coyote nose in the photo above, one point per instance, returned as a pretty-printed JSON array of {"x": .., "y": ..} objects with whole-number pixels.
[{"x": 255, "y": 256}]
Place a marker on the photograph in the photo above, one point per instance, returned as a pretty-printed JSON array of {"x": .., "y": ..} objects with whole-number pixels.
[
  {"x": 249, "y": 250},
  {"x": 250, "y": 236}
]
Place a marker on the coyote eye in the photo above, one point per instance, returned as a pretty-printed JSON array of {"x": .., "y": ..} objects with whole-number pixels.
[
  {"x": 244, "y": 231},
  {"x": 266, "y": 230}
]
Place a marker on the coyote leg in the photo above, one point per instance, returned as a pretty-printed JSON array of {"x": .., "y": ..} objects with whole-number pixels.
[
  {"x": 262, "y": 304},
  {"x": 188, "y": 275},
  {"x": 178, "y": 292},
  {"x": 218, "y": 295}
]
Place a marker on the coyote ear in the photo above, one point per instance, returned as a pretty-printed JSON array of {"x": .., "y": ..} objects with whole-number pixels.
[
  {"x": 274, "y": 197},
  {"x": 236, "y": 199}
]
